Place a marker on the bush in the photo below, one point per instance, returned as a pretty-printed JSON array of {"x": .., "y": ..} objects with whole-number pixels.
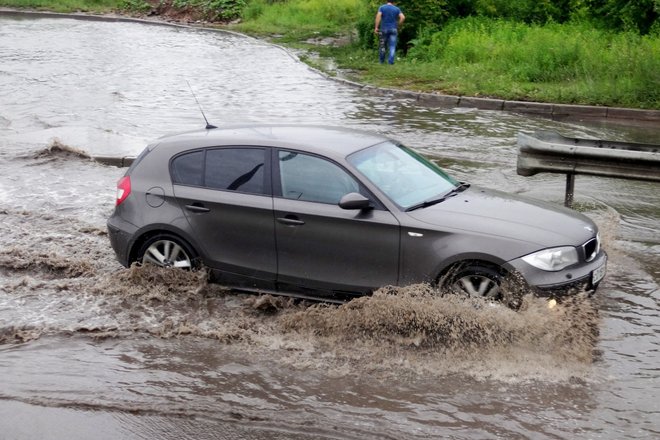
[
  {"x": 225, "y": 9},
  {"x": 640, "y": 16},
  {"x": 622, "y": 15},
  {"x": 135, "y": 5},
  {"x": 212, "y": 10},
  {"x": 571, "y": 60},
  {"x": 526, "y": 11},
  {"x": 420, "y": 14}
]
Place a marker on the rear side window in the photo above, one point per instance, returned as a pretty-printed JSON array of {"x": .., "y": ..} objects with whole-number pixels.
[
  {"x": 187, "y": 169},
  {"x": 229, "y": 169},
  {"x": 235, "y": 169}
]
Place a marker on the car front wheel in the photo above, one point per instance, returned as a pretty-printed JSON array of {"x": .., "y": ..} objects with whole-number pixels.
[
  {"x": 476, "y": 281},
  {"x": 166, "y": 250}
]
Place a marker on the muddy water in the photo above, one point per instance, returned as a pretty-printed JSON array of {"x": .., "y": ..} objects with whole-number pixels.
[{"x": 91, "y": 350}]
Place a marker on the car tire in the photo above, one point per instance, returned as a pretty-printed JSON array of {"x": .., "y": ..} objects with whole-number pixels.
[
  {"x": 487, "y": 282},
  {"x": 168, "y": 250},
  {"x": 475, "y": 280}
]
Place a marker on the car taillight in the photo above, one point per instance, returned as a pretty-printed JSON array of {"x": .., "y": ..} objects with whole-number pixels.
[{"x": 123, "y": 189}]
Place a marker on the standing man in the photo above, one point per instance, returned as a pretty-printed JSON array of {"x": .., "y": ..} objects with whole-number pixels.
[{"x": 388, "y": 20}]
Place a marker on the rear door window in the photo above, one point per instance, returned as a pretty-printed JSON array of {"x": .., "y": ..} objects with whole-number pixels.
[
  {"x": 241, "y": 169},
  {"x": 236, "y": 169}
]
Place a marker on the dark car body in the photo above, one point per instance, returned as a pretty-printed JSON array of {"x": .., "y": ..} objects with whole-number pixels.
[{"x": 317, "y": 211}]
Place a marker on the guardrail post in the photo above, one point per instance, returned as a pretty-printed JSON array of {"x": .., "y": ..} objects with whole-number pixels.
[{"x": 570, "y": 190}]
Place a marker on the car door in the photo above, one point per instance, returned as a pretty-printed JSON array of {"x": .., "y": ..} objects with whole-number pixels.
[
  {"x": 319, "y": 244},
  {"x": 225, "y": 194}
]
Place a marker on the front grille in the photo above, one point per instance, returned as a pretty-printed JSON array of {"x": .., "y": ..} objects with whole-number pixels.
[{"x": 591, "y": 248}]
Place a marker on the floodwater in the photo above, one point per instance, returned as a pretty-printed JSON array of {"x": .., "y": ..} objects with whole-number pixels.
[{"x": 89, "y": 349}]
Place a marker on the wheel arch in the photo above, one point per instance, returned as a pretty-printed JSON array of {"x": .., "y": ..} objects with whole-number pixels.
[{"x": 459, "y": 261}]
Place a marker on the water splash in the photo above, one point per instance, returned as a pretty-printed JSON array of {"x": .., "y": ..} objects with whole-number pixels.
[
  {"x": 49, "y": 265},
  {"x": 57, "y": 150}
]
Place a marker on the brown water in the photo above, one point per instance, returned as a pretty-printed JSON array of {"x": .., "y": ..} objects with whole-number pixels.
[{"x": 91, "y": 350}]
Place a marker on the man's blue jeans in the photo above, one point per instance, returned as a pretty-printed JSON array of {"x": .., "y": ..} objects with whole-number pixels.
[{"x": 387, "y": 44}]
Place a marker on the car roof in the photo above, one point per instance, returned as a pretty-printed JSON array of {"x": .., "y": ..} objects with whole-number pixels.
[{"x": 334, "y": 142}]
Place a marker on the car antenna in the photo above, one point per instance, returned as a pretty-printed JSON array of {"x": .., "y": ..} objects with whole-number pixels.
[{"x": 208, "y": 126}]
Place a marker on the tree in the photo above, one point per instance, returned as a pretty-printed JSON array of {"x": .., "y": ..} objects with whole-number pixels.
[{"x": 630, "y": 15}]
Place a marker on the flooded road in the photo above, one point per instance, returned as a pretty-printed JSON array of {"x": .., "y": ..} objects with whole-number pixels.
[{"x": 91, "y": 350}]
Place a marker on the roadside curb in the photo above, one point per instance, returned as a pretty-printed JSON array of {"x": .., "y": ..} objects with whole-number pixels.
[
  {"x": 119, "y": 162},
  {"x": 548, "y": 110}
]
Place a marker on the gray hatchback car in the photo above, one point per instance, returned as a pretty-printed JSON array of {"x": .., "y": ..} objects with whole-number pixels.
[{"x": 335, "y": 213}]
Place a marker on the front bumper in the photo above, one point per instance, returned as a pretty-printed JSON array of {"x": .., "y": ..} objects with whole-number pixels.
[{"x": 584, "y": 277}]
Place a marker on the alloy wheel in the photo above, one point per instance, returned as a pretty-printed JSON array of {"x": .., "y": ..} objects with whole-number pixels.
[{"x": 167, "y": 253}]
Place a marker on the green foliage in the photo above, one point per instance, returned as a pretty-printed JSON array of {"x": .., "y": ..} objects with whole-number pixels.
[
  {"x": 225, "y": 9},
  {"x": 135, "y": 5},
  {"x": 302, "y": 18},
  {"x": 212, "y": 10},
  {"x": 65, "y": 5},
  {"x": 629, "y": 15},
  {"x": 527, "y": 11},
  {"x": 560, "y": 62},
  {"x": 544, "y": 50},
  {"x": 366, "y": 37},
  {"x": 254, "y": 9},
  {"x": 426, "y": 14},
  {"x": 420, "y": 14},
  {"x": 623, "y": 15}
]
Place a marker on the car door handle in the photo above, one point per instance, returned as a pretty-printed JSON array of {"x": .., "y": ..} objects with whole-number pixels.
[
  {"x": 197, "y": 207},
  {"x": 290, "y": 220}
]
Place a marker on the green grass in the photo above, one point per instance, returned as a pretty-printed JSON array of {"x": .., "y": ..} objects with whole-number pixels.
[
  {"x": 568, "y": 63},
  {"x": 564, "y": 63},
  {"x": 68, "y": 5},
  {"x": 300, "y": 19}
]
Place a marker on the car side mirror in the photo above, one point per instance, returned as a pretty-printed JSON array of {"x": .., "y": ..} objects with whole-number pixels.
[{"x": 355, "y": 201}]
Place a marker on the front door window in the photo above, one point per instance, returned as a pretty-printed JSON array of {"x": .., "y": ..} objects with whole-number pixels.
[{"x": 312, "y": 179}]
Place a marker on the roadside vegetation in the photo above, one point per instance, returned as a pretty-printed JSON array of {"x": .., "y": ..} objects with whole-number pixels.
[
  {"x": 65, "y": 5},
  {"x": 594, "y": 52}
]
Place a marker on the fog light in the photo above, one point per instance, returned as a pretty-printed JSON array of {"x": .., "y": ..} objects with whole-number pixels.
[{"x": 552, "y": 303}]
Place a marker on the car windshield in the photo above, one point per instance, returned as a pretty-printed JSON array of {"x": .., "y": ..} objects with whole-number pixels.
[{"x": 406, "y": 177}]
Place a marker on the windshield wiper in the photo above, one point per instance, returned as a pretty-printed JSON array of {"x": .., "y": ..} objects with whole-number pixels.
[
  {"x": 462, "y": 186},
  {"x": 426, "y": 203},
  {"x": 434, "y": 201}
]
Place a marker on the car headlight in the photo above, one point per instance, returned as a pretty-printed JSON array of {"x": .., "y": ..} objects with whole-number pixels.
[{"x": 553, "y": 259}]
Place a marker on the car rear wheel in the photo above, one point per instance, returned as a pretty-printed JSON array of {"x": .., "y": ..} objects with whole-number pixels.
[
  {"x": 166, "y": 250},
  {"x": 476, "y": 281}
]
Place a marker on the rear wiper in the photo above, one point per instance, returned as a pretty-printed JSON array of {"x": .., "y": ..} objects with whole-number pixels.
[{"x": 460, "y": 188}]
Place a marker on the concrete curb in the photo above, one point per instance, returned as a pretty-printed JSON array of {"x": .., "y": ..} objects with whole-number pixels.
[
  {"x": 549, "y": 110},
  {"x": 112, "y": 18},
  {"x": 120, "y": 162}
]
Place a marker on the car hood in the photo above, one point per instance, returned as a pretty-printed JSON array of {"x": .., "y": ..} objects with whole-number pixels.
[{"x": 519, "y": 218}]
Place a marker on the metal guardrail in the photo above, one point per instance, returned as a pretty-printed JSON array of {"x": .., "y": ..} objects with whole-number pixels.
[{"x": 554, "y": 153}]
